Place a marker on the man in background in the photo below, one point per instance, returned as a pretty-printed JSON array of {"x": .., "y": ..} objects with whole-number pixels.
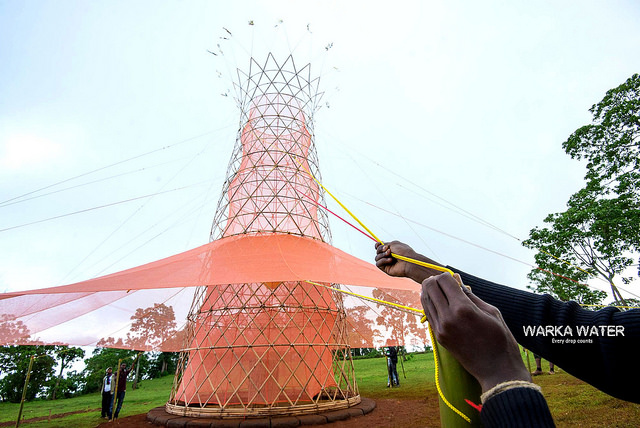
[
  {"x": 122, "y": 385},
  {"x": 107, "y": 393},
  {"x": 538, "y": 371},
  {"x": 392, "y": 362}
]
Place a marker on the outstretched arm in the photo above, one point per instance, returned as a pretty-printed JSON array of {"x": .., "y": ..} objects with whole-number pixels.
[
  {"x": 394, "y": 267},
  {"x": 595, "y": 347},
  {"x": 596, "y": 356}
]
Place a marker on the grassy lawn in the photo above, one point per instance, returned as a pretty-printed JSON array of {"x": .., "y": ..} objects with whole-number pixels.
[
  {"x": 573, "y": 403},
  {"x": 152, "y": 393},
  {"x": 372, "y": 377}
]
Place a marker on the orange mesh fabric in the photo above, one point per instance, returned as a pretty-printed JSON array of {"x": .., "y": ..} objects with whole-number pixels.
[
  {"x": 273, "y": 341},
  {"x": 256, "y": 334},
  {"x": 256, "y": 345},
  {"x": 233, "y": 260},
  {"x": 265, "y": 192},
  {"x": 91, "y": 310}
]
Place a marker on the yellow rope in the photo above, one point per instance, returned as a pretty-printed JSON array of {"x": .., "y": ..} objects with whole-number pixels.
[
  {"x": 336, "y": 199},
  {"x": 406, "y": 259},
  {"x": 421, "y": 263},
  {"x": 433, "y": 341},
  {"x": 372, "y": 299},
  {"x": 397, "y": 256}
]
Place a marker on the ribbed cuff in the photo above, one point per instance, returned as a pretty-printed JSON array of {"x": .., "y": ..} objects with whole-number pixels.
[
  {"x": 516, "y": 404},
  {"x": 505, "y": 386}
]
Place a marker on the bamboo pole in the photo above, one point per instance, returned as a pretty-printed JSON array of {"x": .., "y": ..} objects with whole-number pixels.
[
  {"x": 457, "y": 385},
  {"x": 115, "y": 394},
  {"x": 24, "y": 389}
]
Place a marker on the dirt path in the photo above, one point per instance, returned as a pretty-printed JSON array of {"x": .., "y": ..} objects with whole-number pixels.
[{"x": 388, "y": 413}]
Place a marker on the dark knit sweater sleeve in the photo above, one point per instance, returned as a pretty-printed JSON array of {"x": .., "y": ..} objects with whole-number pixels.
[
  {"x": 595, "y": 346},
  {"x": 516, "y": 408}
]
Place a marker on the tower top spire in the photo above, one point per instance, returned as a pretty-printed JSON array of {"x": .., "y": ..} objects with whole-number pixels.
[{"x": 268, "y": 188}]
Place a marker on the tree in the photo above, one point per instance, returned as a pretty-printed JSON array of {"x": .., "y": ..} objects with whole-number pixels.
[
  {"x": 11, "y": 329},
  {"x": 362, "y": 335},
  {"x": 555, "y": 276},
  {"x": 66, "y": 355},
  {"x": 71, "y": 385},
  {"x": 155, "y": 327},
  {"x": 599, "y": 233},
  {"x": 14, "y": 362},
  {"x": 592, "y": 235},
  {"x": 152, "y": 327},
  {"x": 400, "y": 324},
  {"x": 611, "y": 143},
  {"x": 162, "y": 363}
]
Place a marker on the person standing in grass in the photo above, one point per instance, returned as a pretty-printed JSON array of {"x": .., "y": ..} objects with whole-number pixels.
[
  {"x": 107, "y": 394},
  {"x": 392, "y": 362},
  {"x": 122, "y": 385},
  {"x": 539, "y": 366}
]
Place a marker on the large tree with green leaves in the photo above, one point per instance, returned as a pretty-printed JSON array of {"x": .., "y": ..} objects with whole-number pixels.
[
  {"x": 599, "y": 233},
  {"x": 578, "y": 244},
  {"x": 14, "y": 363},
  {"x": 561, "y": 280},
  {"x": 65, "y": 355},
  {"x": 611, "y": 143},
  {"x": 162, "y": 363}
]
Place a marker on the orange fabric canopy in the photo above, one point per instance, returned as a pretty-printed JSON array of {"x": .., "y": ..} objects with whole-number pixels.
[
  {"x": 107, "y": 311},
  {"x": 241, "y": 259}
]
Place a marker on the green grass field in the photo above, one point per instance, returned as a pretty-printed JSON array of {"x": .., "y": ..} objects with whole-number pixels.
[
  {"x": 152, "y": 393},
  {"x": 572, "y": 402}
]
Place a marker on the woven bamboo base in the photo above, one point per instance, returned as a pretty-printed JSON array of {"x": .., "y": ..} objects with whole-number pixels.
[
  {"x": 159, "y": 416},
  {"x": 259, "y": 412}
]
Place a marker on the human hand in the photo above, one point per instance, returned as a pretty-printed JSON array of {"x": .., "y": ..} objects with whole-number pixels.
[
  {"x": 473, "y": 331},
  {"x": 394, "y": 267},
  {"x": 389, "y": 265}
]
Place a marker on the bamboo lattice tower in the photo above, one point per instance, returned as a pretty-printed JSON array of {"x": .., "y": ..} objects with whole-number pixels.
[{"x": 268, "y": 348}]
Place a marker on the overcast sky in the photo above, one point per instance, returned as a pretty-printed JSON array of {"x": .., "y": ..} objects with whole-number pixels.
[{"x": 470, "y": 101}]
